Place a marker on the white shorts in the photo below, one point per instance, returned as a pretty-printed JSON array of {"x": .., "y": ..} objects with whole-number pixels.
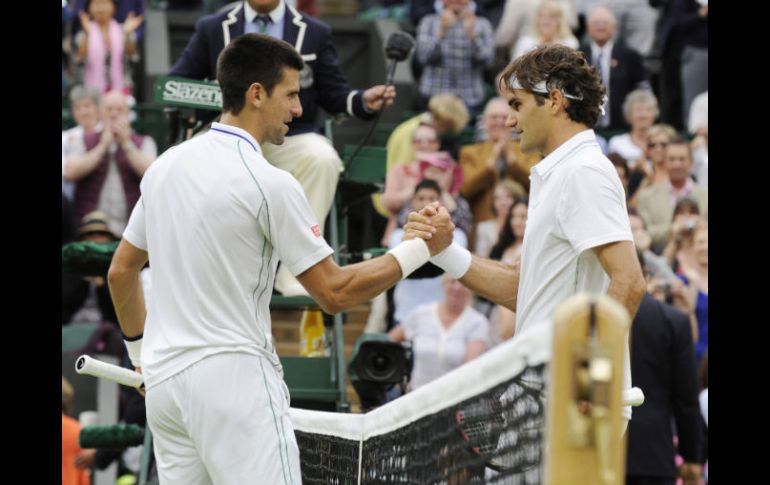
[{"x": 224, "y": 421}]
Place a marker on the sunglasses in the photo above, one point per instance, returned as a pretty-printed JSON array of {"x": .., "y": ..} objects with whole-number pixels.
[{"x": 653, "y": 144}]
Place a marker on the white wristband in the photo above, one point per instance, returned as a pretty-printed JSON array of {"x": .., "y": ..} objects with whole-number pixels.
[
  {"x": 455, "y": 260},
  {"x": 410, "y": 255},
  {"x": 134, "y": 348}
]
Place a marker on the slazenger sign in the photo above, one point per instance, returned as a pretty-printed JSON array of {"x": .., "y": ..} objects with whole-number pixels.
[{"x": 188, "y": 93}]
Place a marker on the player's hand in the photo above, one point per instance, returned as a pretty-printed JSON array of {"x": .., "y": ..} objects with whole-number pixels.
[
  {"x": 419, "y": 225},
  {"x": 140, "y": 390},
  {"x": 445, "y": 229}
]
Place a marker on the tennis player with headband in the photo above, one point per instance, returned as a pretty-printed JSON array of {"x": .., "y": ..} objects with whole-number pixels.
[
  {"x": 578, "y": 235},
  {"x": 215, "y": 218}
]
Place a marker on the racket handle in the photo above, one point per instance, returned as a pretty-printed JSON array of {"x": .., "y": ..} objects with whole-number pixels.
[{"x": 633, "y": 397}]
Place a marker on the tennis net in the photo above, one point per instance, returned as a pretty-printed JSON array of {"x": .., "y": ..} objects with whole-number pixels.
[{"x": 481, "y": 423}]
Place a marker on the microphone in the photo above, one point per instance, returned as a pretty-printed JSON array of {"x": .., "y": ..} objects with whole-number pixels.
[{"x": 398, "y": 46}]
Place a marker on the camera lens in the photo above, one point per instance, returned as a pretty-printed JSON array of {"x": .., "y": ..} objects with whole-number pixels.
[{"x": 379, "y": 363}]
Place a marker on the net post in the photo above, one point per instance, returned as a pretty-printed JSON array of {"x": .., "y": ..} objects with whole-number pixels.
[{"x": 584, "y": 416}]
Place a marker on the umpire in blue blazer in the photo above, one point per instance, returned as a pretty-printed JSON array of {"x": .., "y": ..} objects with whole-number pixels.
[{"x": 305, "y": 153}]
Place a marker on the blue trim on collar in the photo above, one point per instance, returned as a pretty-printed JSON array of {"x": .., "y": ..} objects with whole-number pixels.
[{"x": 238, "y": 135}]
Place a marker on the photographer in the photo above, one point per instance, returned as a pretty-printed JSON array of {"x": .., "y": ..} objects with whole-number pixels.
[{"x": 678, "y": 249}]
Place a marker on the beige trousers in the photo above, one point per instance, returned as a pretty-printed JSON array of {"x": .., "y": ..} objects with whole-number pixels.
[{"x": 315, "y": 164}]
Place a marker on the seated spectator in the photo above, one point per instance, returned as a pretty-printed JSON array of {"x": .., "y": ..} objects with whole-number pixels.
[
  {"x": 679, "y": 246},
  {"x": 652, "y": 172},
  {"x": 640, "y": 109},
  {"x": 84, "y": 104},
  {"x": 89, "y": 298},
  {"x": 656, "y": 203},
  {"x": 106, "y": 46},
  {"x": 444, "y": 334},
  {"x": 497, "y": 158},
  {"x": 403, "y": 178},
  {"x": 124, "y": 9},
  {"x": 454, "y": 46},
  {"x": 446, "y": 113},
  {"x": 487, "y": 232},
  {"x": 517, "y": 17},
  {"x": 694, "y": 272},
  {"x": 502, "y": 321},
  {"x": 549, "y": 27},
  {"x": 509, "y": 243},
  {"x": 448, "y": 175},
  {"x": 107, "y": 165}
]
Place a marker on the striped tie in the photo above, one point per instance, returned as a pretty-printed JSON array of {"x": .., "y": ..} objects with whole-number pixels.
[
  {"x": 598, "y": 64},
  {"x": 262, "y": 22}
]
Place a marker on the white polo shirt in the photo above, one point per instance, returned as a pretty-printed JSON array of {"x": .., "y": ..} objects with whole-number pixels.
[
  {"x": 576, "y": 203},
  {"x": 215, "y": 218}
]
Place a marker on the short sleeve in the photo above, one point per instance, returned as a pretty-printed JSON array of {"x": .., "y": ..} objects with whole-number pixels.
[
  {"x": 136, "y": 232},
  {"x": 592, "y": 210},
  {"x": 295, "y": 233}
]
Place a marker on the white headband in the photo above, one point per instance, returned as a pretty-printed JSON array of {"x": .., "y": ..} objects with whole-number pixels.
[{"x": 541, "y": 88}]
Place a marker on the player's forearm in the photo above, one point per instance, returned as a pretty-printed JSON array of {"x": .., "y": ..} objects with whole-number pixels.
[
  {"x": 628, "y": 290},
  {"x": 494, "y": 280},
  {"x": 128, "y": 299},
  {"x": 360, "y": 282}
]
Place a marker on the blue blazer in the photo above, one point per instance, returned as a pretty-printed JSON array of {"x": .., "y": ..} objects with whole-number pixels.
[
  {"x": 322, "y": 82},
  {"x": 663, "y": 366},
  {"x": 627, "y": 73}
]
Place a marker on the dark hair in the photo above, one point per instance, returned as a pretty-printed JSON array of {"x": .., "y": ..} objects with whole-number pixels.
[
  {"x": 249, "y": 59},
  {"x": 703, "y": 371},
  {"x": 506, "y": 238},
  {"x": 686, "y": 202},
  {"x": 679, "y": 141},
  {"x": 427, "y": 184},
  {"x": 618, "y": 160},
  {"x": 88, "y": 5},
  {"x": 561, "y": 68}
]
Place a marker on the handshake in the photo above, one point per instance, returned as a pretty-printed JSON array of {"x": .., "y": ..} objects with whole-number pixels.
[
  {"x": 432, "y": 224},
  {"x": 428, "y": 236}
]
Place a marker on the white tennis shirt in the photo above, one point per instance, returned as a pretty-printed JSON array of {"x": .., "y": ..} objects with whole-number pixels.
[
  {"x": 576, "y": 203},
  {"x": 215, "y": 218}
]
